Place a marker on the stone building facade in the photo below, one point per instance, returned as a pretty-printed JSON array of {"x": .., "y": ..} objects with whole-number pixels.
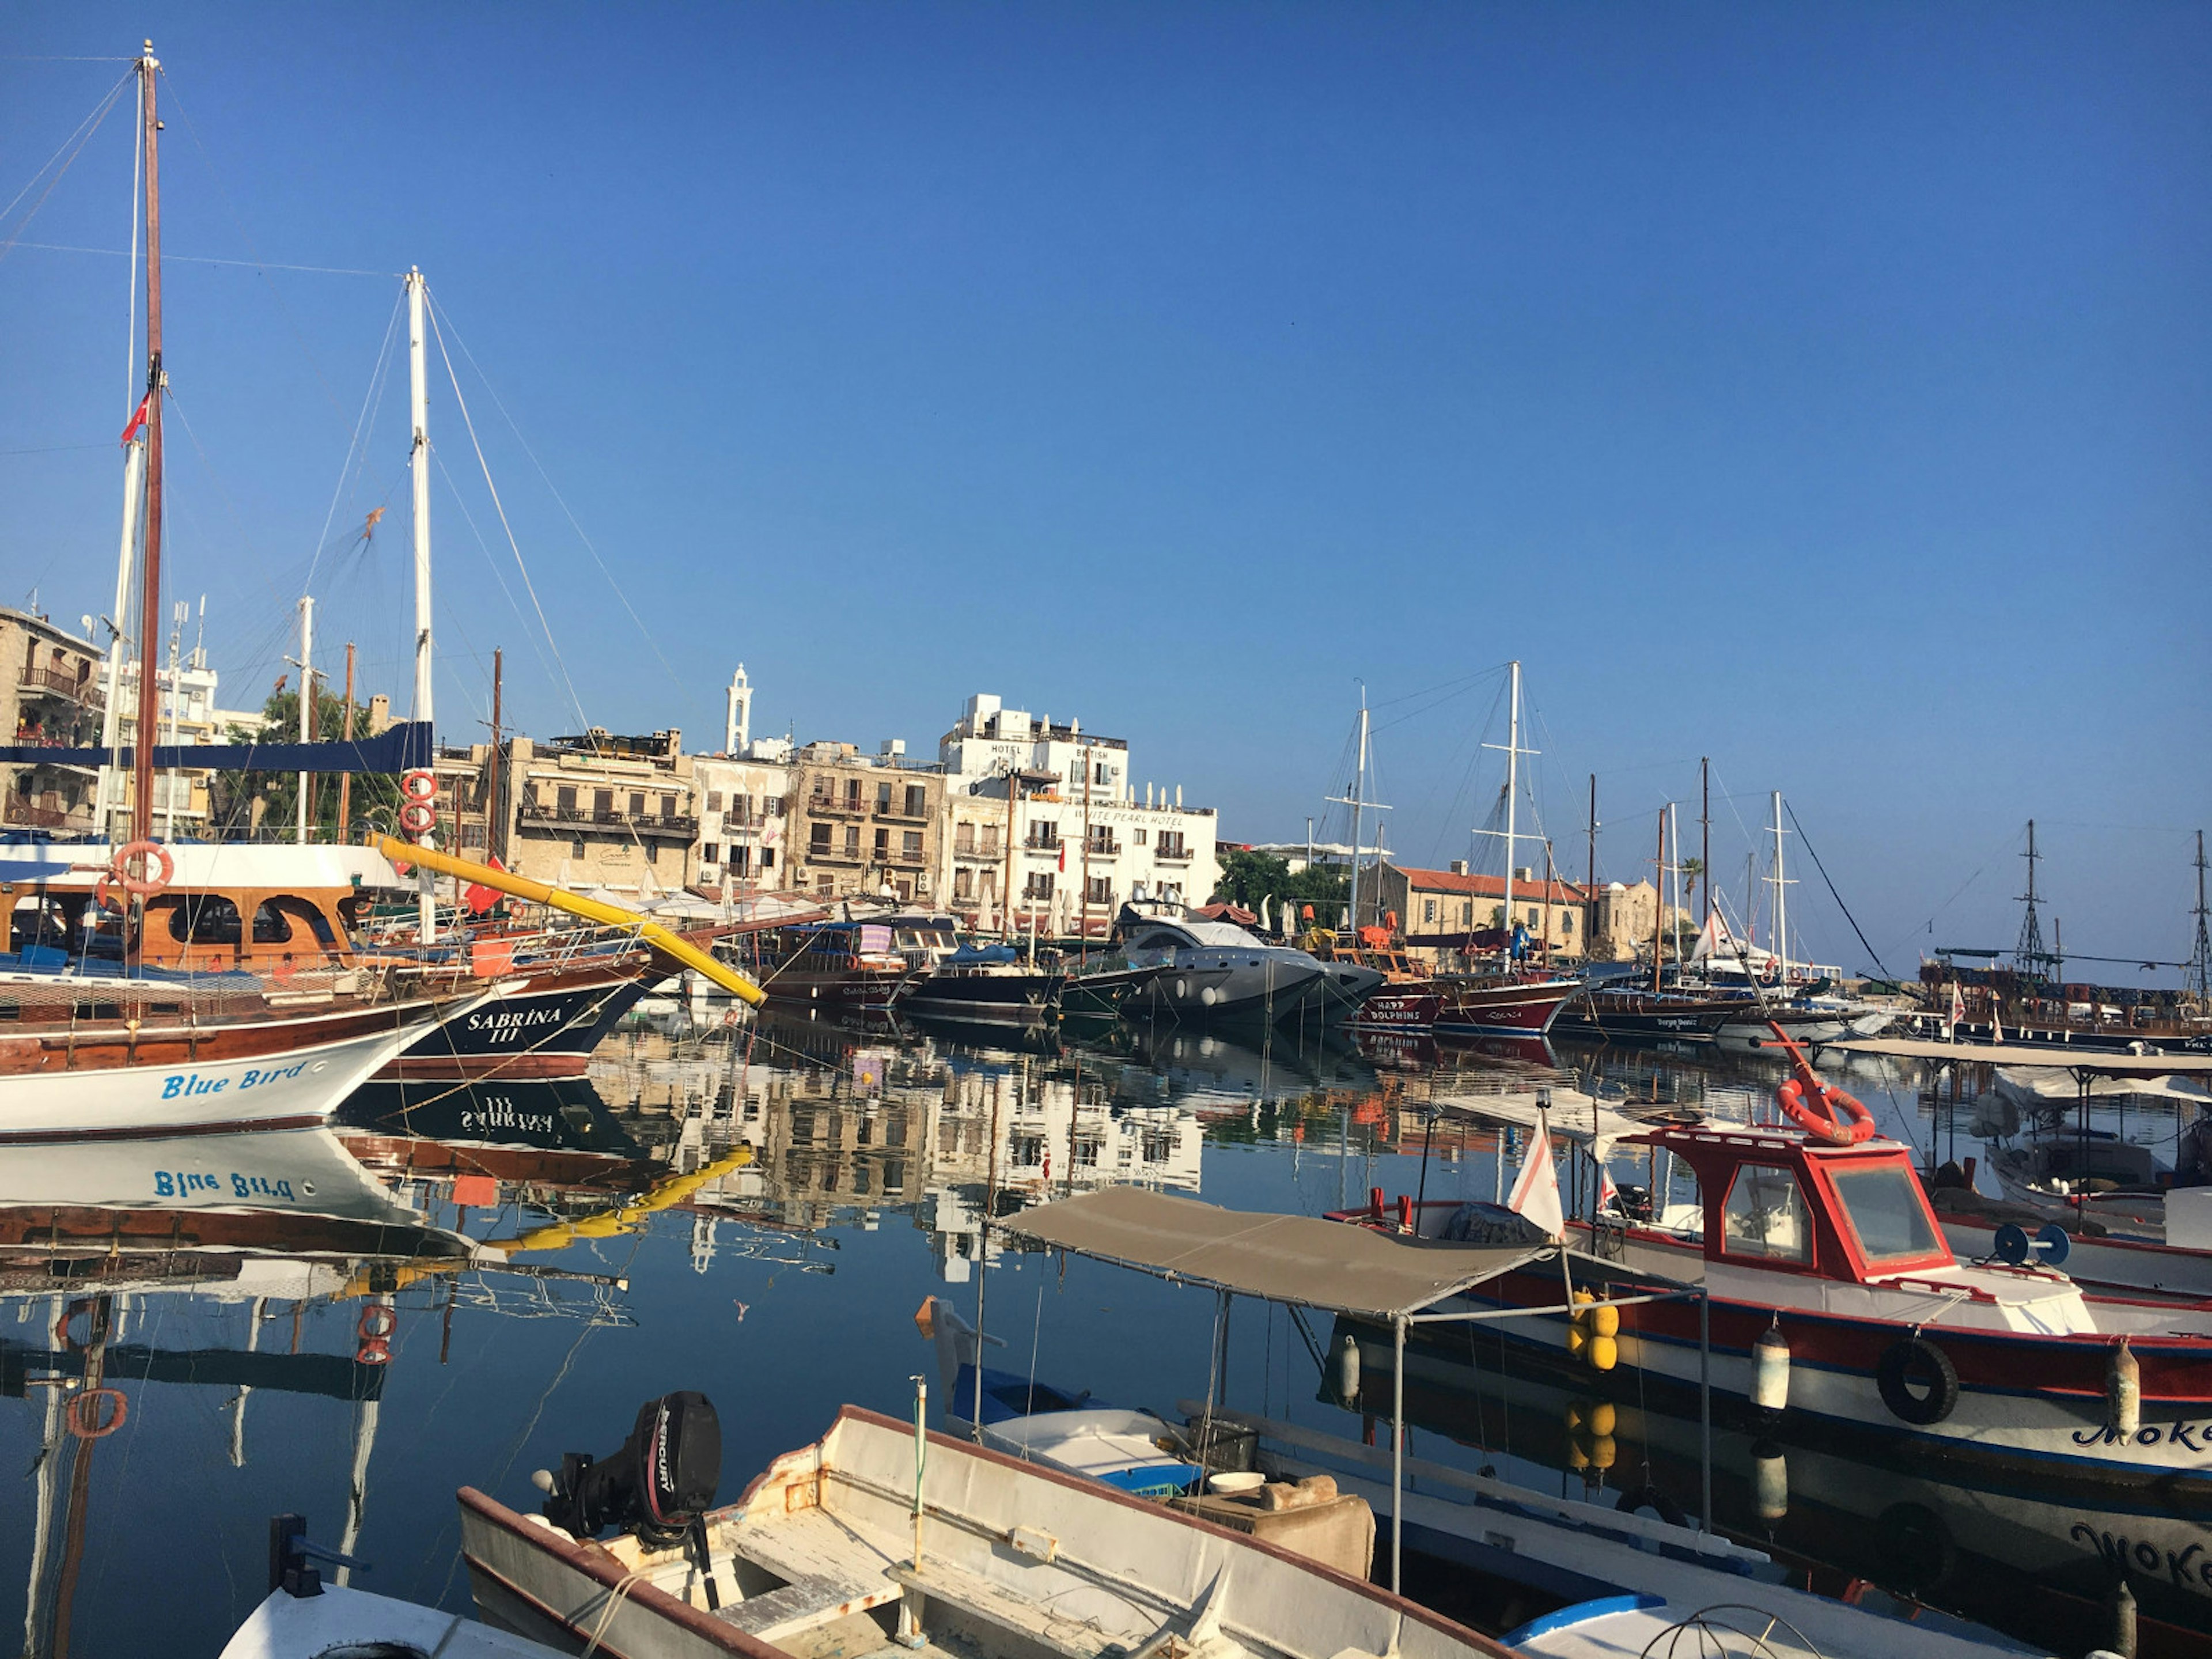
[{"x": 865, "y": 825}]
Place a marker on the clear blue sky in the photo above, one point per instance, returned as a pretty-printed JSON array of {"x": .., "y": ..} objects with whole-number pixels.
[{"x": 1823, "y": 389}]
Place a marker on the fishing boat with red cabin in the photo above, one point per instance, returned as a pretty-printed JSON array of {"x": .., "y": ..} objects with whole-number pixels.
[{"x": 1832, "y": 1296}]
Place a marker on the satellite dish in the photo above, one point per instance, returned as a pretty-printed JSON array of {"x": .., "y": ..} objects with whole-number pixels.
[{"x": 86, "y": 623}]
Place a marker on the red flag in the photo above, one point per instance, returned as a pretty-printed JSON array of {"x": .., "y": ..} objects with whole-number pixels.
[
  {"x": 480, "y": 898},
  {"x": 1063, "y": 858},
  {"x": 137, "y": 420}
]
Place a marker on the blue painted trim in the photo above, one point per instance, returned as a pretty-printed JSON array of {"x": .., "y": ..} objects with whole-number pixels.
[{"x": 1581, "y": 1613}]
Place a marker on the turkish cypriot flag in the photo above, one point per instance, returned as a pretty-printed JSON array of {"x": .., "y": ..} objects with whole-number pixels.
[{"x": 1535, "y": 1195}]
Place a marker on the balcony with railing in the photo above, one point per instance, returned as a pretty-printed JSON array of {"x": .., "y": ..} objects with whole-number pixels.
[
  {"x": 1171, "y": 852},
  {"x": 684, "y": 825},
  {"x": 1042, "y": 843},
  {"x": 54, "y": 682},
  {"x": 1105, "y": 846},
  {"x": 828, "y": 802},
  {"x": 32, "y": 815}
]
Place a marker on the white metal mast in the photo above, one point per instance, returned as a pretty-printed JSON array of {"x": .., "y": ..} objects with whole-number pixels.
[
  {"x": 110, "y": 720},
  {"x": 169, "y": 726},
  {"x": 1512, "y": 794},
  {"x": 306, "y": 660},
  {"x": 1513, "y": 753},
  {"x": 1781, "y": 903},
  {"x": 1675, "y": 878},
  {"x": 419, "y": 406},
  {"x": 1356, "y": 801}
]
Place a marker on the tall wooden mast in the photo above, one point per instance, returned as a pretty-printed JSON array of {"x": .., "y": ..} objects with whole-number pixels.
[{"x": 149, "y": 589}]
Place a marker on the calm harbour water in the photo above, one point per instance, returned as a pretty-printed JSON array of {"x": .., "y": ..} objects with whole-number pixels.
[{"x": 757, "y": 1213}]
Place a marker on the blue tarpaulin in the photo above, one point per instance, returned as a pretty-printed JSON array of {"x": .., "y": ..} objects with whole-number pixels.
[{"x": 401, "y": 747}]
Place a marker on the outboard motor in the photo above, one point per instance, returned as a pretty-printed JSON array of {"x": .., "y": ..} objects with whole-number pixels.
[{"x": 656, "y": 1485}]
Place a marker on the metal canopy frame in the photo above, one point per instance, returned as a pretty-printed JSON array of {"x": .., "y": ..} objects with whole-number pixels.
[{"x": 1218, "y": 1237}]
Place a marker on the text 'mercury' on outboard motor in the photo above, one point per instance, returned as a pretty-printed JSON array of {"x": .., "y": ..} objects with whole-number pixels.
[{"x": 656, "y": 1485}]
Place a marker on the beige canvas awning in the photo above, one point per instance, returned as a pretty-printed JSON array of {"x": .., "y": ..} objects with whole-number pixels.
[{"x": 1299, "y": 1260}]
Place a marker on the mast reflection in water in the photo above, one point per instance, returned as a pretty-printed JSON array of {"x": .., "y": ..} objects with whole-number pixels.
[{"x": 460, "y": 1281}]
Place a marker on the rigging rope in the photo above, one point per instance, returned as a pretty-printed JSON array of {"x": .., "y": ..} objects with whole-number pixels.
[
  {"x": 1806, "y": 842},
  {"x": 74, "y": 144}
]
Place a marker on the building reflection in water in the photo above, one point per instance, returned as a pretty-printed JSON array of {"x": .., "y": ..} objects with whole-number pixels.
[{"x": 846, "y": 1125}]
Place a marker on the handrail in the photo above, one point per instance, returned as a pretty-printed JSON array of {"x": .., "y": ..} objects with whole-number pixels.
[{"x": 590, "y": 909}]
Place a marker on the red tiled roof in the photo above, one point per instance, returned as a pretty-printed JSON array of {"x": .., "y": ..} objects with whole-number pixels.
[{"x": 1445, "y": 881}]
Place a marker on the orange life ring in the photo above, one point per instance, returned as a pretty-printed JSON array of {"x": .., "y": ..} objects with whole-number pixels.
[
  {"x": 419, "y": 785},
  {"x": 67, "y": 1337},
  {"x": 141, "y": 886},
  {"x": 85, "y": 1420},
  {"x": 376, "y": 1322},
  {"x": 104, "y": 896},
  {"x": 415, "y": 817},
  {"x": 1839, "y": 1119}
]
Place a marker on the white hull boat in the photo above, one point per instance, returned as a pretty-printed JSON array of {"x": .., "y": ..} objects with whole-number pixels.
[{"x": 295, "y": 1085}]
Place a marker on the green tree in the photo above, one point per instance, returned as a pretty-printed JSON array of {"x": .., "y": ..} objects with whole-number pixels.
[
  {"x": 1249, "y": 877},
  {"x": 375, "y": 796}
]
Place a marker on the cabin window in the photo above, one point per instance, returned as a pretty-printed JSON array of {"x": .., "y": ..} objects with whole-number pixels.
[
  {"x": 1765, "y": 1216},
  {"x": 204, "y": 918},
  {"x": 270, "y": 926},
  {"x": 304, "y": 920},
  {"x": 1882, "y": 1203}
]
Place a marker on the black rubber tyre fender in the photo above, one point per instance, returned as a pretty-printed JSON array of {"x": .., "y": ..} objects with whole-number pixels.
[
  {"x": 1915, "y": 1548},
  {"x": 1651, "y": 1498},
  {"x": 1915, "y": 1359}
]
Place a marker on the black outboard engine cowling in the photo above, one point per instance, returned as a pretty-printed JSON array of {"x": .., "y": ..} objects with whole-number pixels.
[{"x": 656, "y": 1485}]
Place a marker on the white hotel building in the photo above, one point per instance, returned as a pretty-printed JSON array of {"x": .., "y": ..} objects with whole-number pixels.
[{"x": 1083, "y": 841}]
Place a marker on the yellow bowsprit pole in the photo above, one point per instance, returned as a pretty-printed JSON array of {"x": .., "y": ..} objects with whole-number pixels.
[{"x": 575, "y": 904}]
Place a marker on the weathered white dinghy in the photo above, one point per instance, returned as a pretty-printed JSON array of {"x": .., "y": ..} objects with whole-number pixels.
[{"x": 828, "y": 1552}]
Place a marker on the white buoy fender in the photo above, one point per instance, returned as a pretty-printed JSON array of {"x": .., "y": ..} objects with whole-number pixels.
[
  {"x": 1770, "y": 1371},
  {"x": 1344, "y": 1376},
  {"x": 2124, "y": 1391},
  {"x": 1209, "y": 996},
  {"x": 1770, "y": 1481}
]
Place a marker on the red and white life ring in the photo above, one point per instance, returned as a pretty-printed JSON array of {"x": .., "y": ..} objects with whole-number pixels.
[
  {"x": 128, "y": 868},
  {"x": 419, "y": 785},
  {"x": 415, "y": 817}
]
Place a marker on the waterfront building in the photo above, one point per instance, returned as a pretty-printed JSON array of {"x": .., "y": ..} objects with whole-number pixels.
[
  {"x": 868, "y": 825},
  {"x": 598, "y": 811},
  {"x": 744, "y": 809},
  {"x": 1440, "y": 911},
  {"x": 52, "y": 695},
  {"x": 1084, "y": 842},
  {"x": 185, "y": 694}
]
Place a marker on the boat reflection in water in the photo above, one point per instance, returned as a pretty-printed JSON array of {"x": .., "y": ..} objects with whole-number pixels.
[
  {"x": 2122, "y": 1573},
  {"x": 283, "y": 1262}
]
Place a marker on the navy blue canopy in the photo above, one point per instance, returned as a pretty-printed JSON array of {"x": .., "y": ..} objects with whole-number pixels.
[{"x": 404, "y": 746}]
